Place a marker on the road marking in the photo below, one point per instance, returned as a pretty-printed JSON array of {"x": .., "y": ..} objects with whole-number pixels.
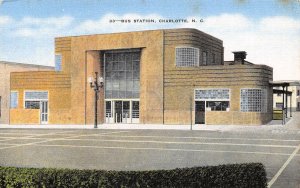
[
  {"x": 273, "y": 180},
  {"x": 184, "y": 143},
  {"x": 33, "y": 135},
  {"x": 162, "y": 149},
  {"x": 212, "y": 138},
  {"x": 176, "y": 137},
  {"x": 48, "y": 140}
]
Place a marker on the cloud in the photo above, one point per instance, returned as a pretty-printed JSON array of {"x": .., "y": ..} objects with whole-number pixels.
[
  {"x": 279, "y": 24},
  {"x": 42, "y": 27},
  {"x": 5, "y": 20}
]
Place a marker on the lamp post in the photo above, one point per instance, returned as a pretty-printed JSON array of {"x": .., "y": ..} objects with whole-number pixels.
[{"x": 96, "y": 83}]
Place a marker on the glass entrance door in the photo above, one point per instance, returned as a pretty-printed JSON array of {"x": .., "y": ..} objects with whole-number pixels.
[
  {"x": 44, "y": 112},
  {"x": 118, "y": 111},
  {"x": 199, "y": 112},
  {"x": 122, "y": 111},
  {"x": 126, "y": 112}
]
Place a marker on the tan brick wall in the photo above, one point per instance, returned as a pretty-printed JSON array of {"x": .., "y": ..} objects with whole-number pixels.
[{"x": 59, "y": 96}]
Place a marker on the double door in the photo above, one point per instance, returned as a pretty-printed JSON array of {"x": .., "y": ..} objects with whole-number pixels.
[{"x": 122, "y": 111}]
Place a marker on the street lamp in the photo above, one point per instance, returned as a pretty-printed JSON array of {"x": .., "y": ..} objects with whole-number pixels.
[{"x": 96, "y": 83}]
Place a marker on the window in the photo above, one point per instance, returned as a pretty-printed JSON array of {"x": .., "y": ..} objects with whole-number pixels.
[
  {"x": 13, "y": 99},
  {"x": 298, "y": 92},
  {"x": 187, "y": 57},
  {"x": 217, "y": 105},
  {"x": 135, "y": 109},
  {"x": 33, "y": 99},
  {"x": 208, "y": 94},
  {"x": 58, "y": 60},
  {"x": 279, "y": 105},
  {"x": 122, "y": 74},
  {"x": 298, "y": 104},
  {"x": 253, "y": 100},
  {"x": 213, "y": 60},
  {"x": 216, "y": 99},
  {"x": 204, "y": 58},
  {"x": 33, "y": 95},
  {"x": 108, "y": 109},
  {"x": 32, "y": 104}
]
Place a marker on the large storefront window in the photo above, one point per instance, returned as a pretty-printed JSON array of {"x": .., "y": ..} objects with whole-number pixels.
[
  {"x": 122, "y": 74},
  {"x": 217, "y": 105}
]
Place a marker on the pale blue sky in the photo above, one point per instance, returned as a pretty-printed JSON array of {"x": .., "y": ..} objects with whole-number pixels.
[{"x": 268, "y": 30}]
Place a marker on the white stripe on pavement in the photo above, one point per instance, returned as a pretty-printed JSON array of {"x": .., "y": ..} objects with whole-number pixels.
[
  {"x": 162, "y": 149},
  {"x": 273, "y": 180},
  {"x": 53, "y": 139}
]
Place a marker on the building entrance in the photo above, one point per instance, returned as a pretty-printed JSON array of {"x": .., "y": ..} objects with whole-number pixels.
[
  {"x": 199, "y": 112},
  {"x": 122, "y": 85},
  {"x": 122, "y": 111}
]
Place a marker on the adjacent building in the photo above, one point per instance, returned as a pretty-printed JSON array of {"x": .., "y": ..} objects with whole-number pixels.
[
  {"x": 173, "y": 76},
  {"x": 293, "y": 101},
  {"x": 6, "y": 94}
]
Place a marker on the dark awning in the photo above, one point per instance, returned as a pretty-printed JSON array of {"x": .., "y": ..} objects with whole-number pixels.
[{"x": 278, "y": 91}]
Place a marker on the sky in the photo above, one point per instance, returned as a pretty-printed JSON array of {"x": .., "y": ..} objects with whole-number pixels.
[{"x": 268, "y": 30}]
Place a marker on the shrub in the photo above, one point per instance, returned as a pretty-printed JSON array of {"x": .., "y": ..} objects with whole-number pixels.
[{"x": 235, "y": 175}]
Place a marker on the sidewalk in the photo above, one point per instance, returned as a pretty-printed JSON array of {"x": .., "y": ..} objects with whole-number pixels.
[
  {"x": 293, "y": 124},
  {"x": 238, "y": 128}
]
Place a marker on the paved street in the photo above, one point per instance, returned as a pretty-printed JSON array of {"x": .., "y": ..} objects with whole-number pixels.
[{"x": 153, "y": 149}]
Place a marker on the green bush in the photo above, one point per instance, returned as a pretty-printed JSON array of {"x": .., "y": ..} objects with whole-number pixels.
[{"x": 236, "y": 175}]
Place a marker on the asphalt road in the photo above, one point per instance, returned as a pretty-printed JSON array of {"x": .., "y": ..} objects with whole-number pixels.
[{"x": 152, "y": 149}]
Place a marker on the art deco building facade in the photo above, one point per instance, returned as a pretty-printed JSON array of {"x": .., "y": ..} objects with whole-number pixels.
[{"x": 175, "y": 76}]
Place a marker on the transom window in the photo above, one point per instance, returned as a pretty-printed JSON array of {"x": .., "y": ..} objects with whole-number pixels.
[
  {"x": 253, "y": 100},
  {"x": 216, "y": 94},
  {"x": 187, "y": 57}
]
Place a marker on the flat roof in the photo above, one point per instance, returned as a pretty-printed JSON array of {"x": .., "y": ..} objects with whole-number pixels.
[
  {"x": 25, "y": 64},
  {"x": 285, "y": 83}
]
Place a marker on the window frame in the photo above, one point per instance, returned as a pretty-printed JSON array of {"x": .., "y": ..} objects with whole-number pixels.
[{"x": 196, "y": 57}]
